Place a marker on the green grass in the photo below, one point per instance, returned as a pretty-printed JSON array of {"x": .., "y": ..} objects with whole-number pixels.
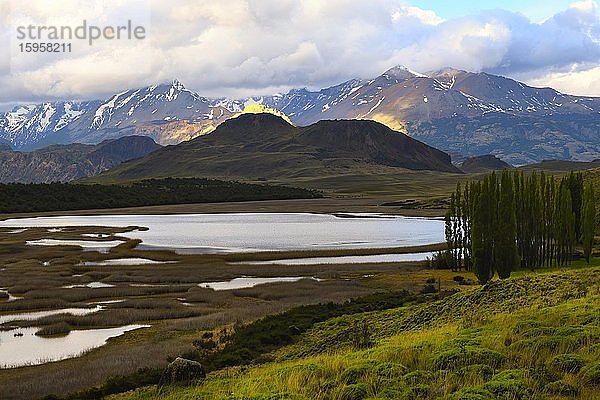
[{"x": 530, "y": 337}]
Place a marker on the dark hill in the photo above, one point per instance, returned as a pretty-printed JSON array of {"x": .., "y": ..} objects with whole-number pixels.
[
  {"x": 486, "y": 162},
  {"x": 264, "y": 146}
]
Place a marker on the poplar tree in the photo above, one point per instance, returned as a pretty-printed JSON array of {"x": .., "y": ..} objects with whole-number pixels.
[
  {"x": 448, "y": 230},
  {"x": 457, "y": 228},
  {"x": 482, "y": 242},
  {"x": 588, "y": 222},
  {"x": 575, "y": 186},
  {"x": 506, "y": 245},
  {"x": 495, "y": 224}
]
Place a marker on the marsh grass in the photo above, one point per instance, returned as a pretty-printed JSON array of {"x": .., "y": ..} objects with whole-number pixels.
[
  {"x": 57, "y": 329},
  {"x": 278, "y": 255}
]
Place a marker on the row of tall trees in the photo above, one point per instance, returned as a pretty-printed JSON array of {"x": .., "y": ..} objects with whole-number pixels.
[{"x": 502, "y": 222}]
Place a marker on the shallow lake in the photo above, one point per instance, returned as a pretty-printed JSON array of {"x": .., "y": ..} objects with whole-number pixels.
[
  {"x": 242, "y": 232},
  {"x": 27, "y": 349}
]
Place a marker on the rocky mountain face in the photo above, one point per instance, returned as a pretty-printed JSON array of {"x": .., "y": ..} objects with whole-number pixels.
[
  {"x": 62, "y": 163},
  {"x": 167, "y": 113},
  {"x": 457, "y": 111},
  {"x": 265, "y": 146}
]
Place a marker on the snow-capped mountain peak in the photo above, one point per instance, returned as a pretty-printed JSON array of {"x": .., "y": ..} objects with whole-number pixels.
[{"x": 403, "y": 72}]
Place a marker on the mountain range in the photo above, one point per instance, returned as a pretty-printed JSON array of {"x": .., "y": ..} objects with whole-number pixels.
[{"x": 456, "y": 111}]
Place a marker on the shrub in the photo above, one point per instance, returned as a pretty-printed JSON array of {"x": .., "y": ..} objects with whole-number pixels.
[
  {"x": 542, "y": 375},
  {"x": 352, "y": 392},
  {"x": 361, "y": 335},
  {"x": 591, "y": 374},
  {"x": 428, "y": 289},
  {"x": 509, "y": 385},
  {"x": 419, "y": 391},
  {"x": 562, "y": 389},
  {"x": 355, "y": 373},
  {"x": 416, "y": 377},
  {"x": 482, "y": 371},
  {"x": 525, "y": 325},
  {"x": 442, "y": 260},
  {"x": 389, "y": 370},
  {"x": 570, "y": 363},
  {"x": 119, "y": 384},
  {"x": 204, "y": 344},
  {"x": 472, "y": 394},
  {"x": 460, "y": 357}
]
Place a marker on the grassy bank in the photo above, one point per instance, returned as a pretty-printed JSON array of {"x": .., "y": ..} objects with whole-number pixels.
[{"x": 530, "y": 337}]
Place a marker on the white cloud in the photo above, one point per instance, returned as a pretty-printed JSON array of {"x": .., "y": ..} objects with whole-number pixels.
[
  {"x": 242, "y": 47},
  {"x": 585, "y": 82}
]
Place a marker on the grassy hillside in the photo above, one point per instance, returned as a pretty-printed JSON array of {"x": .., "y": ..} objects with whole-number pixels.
[
  {"x": 530, "y": 337},
  {"x": 266, "y": 147}
]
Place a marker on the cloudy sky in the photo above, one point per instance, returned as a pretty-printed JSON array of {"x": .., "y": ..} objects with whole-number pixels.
[{"x": 241, "y": 47}]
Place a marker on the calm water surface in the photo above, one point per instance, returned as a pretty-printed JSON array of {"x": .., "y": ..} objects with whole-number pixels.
[
  {"x": 248, "y": 282},
  {"x": 236, "y": 232},
  {"x": 28, "y": 349}
]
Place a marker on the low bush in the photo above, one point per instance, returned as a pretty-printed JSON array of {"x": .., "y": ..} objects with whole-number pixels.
[
  {"x": 509, "y": 385},
  {"x": 119, "y": 384},
  {"x": 472, "y": 394},
  {"x": 562, "y": 389},
  {"x": 570, "y": 363},
  {"x": 591, "y": 374},
  {"x": 442, "y": 260},
  {"x": 355, "y": 373},
  {"x": 469, "y": 355},
  {"x": 351, "y": 392},
  {"x": 428, "y": 289}
]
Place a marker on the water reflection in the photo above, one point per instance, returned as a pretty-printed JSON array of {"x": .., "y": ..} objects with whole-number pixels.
[
  {"x": 32, "y": 316},
  {"x": 248, "y": 282},
  {"x": 21, "y": 347},
  {"x": 234, "y": 232}
]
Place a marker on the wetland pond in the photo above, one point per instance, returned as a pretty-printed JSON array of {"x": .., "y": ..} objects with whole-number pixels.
[{"x": 205, "y": 233}]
